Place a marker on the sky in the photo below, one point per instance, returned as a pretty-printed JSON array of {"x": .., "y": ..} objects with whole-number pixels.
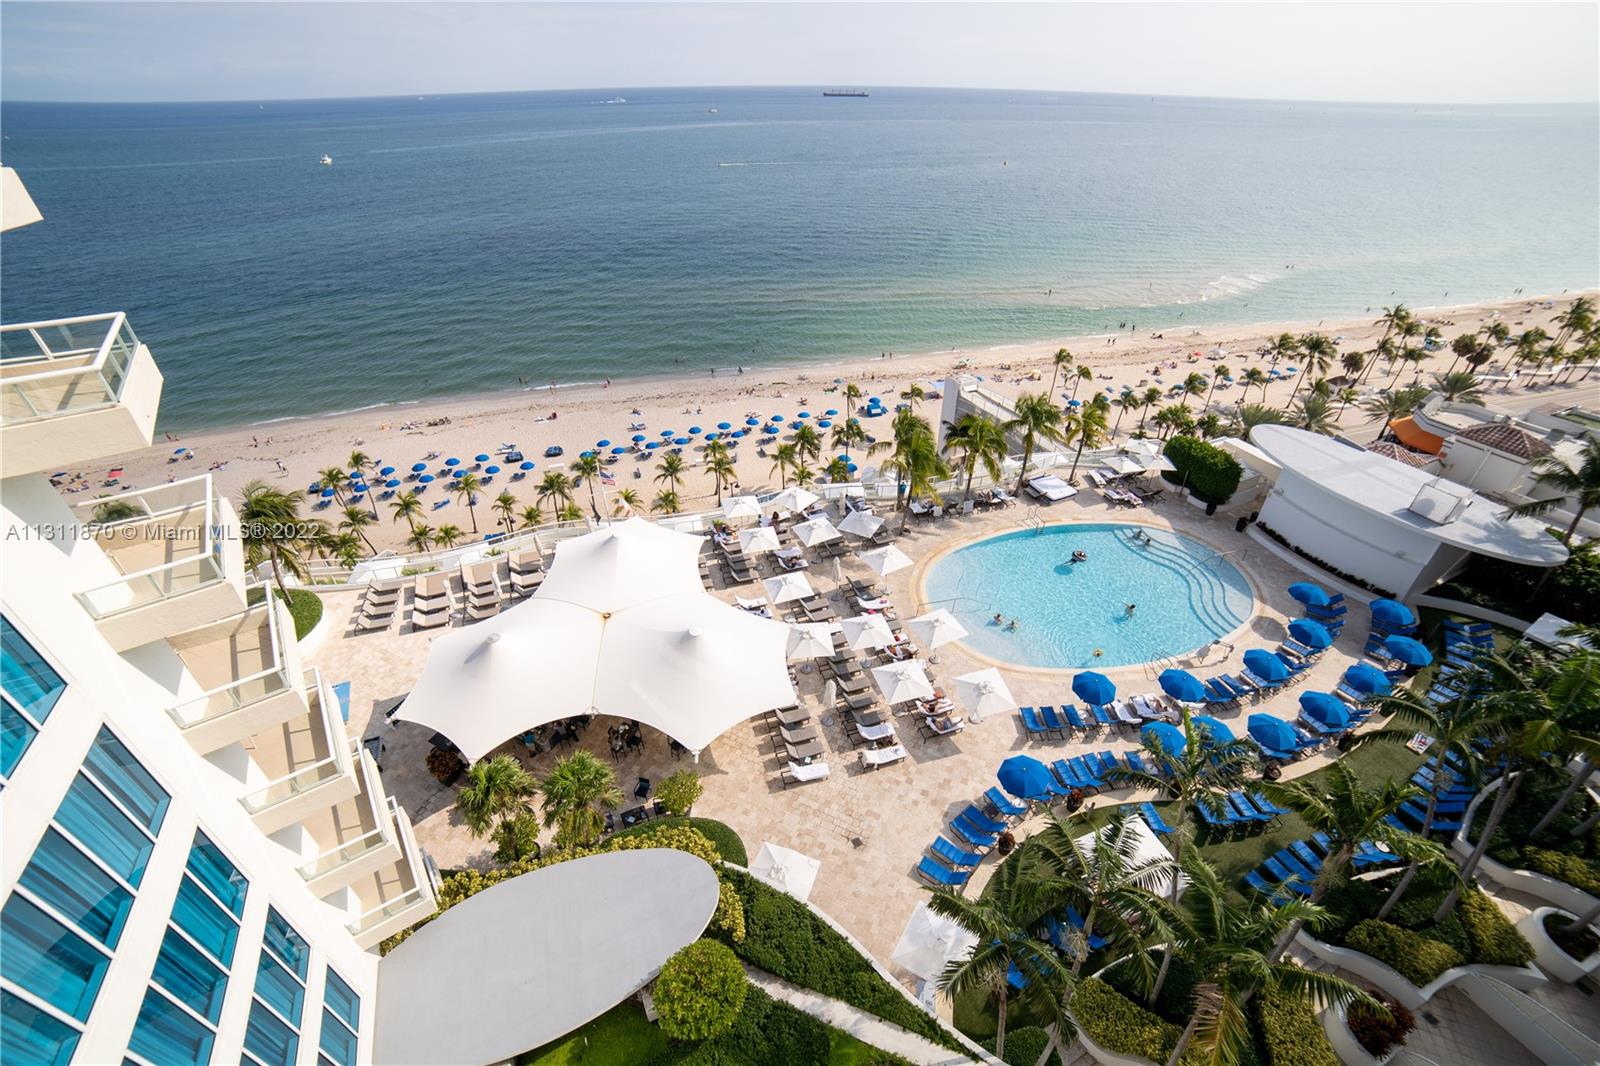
[{"x": 1415, "y": 53}]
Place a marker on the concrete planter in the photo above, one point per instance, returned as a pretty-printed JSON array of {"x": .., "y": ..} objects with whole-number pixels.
[
  {"x": 1105, "y": 1056},
  {"x": 1345, "y": 1044},
  {"x": 1547, "y": 954},
  {"x": 319, "y": 632},
  {"x": 1544, "y": 889},
  {"x": 1403, "y": 991}
]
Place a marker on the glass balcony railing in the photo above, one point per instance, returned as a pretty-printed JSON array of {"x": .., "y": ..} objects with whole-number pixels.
[
  {"x": 63, "y": 366},
  {"x": 272, "y": 680},
  {"x": 386, "y": 910},
  {"x": 382, "y": 811},
  {"x": 166, "y": 541},
  {"x": 305, "y": 778}
]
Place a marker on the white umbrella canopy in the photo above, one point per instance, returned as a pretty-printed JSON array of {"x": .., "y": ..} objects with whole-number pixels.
[
  {"x": 808, "y": 640},
  {"x": 785, "y": 869},
  {"x": 786, "y": 587},
  {"x": 900, "y": 682},
  {"x": 936, "y": 628},
  {"x": 817, "y": 531},
  {"x": 1125, "y": 464},
  {"x": 866, "y": 631},
  {"x": 623, "y": 564},
  {"x": 886, "y": 560},
  {"x": 984, "y": 692},
  {"x": 793, "y": 498},
  {"x": 758, "y": 539},
  {"x": 929, "y": 942},
  {"x": 735, "y": 508},
  {"x": 861, "y": 523}
]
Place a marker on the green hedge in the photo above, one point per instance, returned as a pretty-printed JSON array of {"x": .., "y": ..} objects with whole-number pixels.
[
  {"x": 766, "y": 1032},
  {"x": 305, "y": 607},
  {"x": 1411, "y": 955},
  {"x": 1176, "y": 1000},
  {"x": 1290, "y": 1033},
  {"x": 727, "y": 842},
  {"x": 1575, "y": 870},
  {"x": 700, "y": 991},
  {"x": 1494, "y": 940},
  {"x": 1024, "y": 1046},
  {"x": 1209, "y": 472},
  {"x": 784, "y": 938},
  {"x": 1118, "y": 1024}
]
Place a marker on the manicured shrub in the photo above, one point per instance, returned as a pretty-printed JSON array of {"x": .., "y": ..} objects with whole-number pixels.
[
  {"x": 1411, "y": 955},
  {"x": 1575, "y": 870},
  {"x": 1118, "y": 1024},
  {"x": 1210, "y": 473},
  {"x": 700, "y": 991},
  {"x": 1377, "y": 1033},
  {"x": 1177, "y": 993},
  {"x": 1495, "y": 941},
  {"x": 765, "y": 1032},
  {"x": 679, "y": 791},
  {"x": 727, "y": 842},
  {"x": 305, "y": 607},
  {"x": 517, "y": 839},
  {"x": 1290, "y": 1033},
  {"x": 729, "y": 916},
  {"x": 1024, "y": 1046}
]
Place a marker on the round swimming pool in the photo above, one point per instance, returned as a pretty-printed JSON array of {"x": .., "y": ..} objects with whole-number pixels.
[{"x": 1075, "y": 614}]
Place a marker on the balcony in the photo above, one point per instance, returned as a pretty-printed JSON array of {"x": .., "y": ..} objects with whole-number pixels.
[
  {"x": 396, "y": 896},
  {"x": 177, "y": 548},
  {"x": 358, "y": 836},
  {"x": 74, "y": 390},
  {"x": 247, "y": 669},
  {"x": 306, "y": 761}
]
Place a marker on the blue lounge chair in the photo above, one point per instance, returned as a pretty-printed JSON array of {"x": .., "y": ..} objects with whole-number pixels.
[
  {"x": 1288, "y": 878},
  {"x": 972, "y": 834},
  {"x": 953, "y": 854},
  {"x": 1031, "y": 722},
  {"x": 1052, "y": 721},
  {"x": 1242, "y": 809},
  {"x": 1095, "y": 942},
  {"x": 1107, "y": 761},
  {"x": 1264, "y": 804},
  {"x": 1136, "y": 762},
  {"x": 939, "y": 875},
  {"x": 1257, "y": 882},
  {"x": 1303, "y": 852},
  {"x": 1069, "y": 777},
  {"x": 1004, "y": 805},
  {"x": 981, "y": 820},
  {"x": 1103, "y": 717},
  {"x": 1087, "y": 772},
  {"x": 1074, "y": 716},
  {"x": 1219, "y": 820},
  {"x": 1292, "y": 862},
  {"x": 1153, "y": 819}
]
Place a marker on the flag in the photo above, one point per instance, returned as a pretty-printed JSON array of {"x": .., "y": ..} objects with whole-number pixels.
[{"x": 607, "y": 479}]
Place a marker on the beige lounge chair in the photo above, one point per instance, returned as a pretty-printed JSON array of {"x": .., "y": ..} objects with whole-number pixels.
[
  {"x": 431, "y": 604},
  {"x": 872, "y": 758},
  {"x": 799, "y": 773}
]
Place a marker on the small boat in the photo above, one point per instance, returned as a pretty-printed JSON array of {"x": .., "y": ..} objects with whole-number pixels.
[
  {"x": 844, "y": 92},
  {"x": 711, "y": 111},
  {"x": 327, "y": 160}
]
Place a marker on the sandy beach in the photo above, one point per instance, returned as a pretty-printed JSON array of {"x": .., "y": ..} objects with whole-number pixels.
[{"x": 290, "y": 453}]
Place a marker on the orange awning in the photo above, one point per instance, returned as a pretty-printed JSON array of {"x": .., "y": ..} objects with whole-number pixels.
[{"x": 1416, "y": 438}]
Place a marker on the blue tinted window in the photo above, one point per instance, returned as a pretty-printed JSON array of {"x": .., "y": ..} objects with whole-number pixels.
[
  {"x": 338, "y": 1044},
  {"x": 284, "y": 942},
  {"x": 342, "y": 1000},
  {"x": 193, "y": 979},
  {"x": 30, "y": 1037},
  {"x": 207, "y": 923},
  {"x": 16, "y": 733},
  {"x": 212, "y": 869},
  {"x": 281, "y": 991},
  {"x": 65, "y": 878},
  {"x": 97, "y": 824},
  {"x": 165, "y": 1034},
  {"x": 125, "y": 779},
  {"x": 31, "y": 682},
  {"x": 49, "y": 960},
  {"x": 268, "y": 1039}
]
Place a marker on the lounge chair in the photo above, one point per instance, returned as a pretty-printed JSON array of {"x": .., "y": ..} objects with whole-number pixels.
[
  {"x": 981, "y": 820},
  {"x": 798, "y": 773},
  {"x": 372, "y": 618},
  {"x": 953, "y": 854},
  {"x": 1153, "y": 819},
  {"x": 972, "y": 834},
  {"x": 811, "y": 749},
  {"x": 1074, "y": 717},
  {"x": 872, "y": 758},
  {"x": 1055, "y": 723},
  {"x": 939, "y": 875},
  {"x": 930, "y": 728},
  {"x": 797, "y": 734},
  {"x": 1031, "y": 722},
  {"x": 873, "y": 733},
  {"x": 1004, "y": 805},
  {"x": 792, "y": 715}
]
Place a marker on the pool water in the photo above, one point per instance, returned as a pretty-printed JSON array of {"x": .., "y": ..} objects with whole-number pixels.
[{"x": 1072, "y": 615}]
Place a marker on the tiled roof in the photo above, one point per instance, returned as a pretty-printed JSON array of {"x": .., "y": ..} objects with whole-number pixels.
[
  {"x": 1399, "y": 454},
  {"x": 1503, "y": 437}
]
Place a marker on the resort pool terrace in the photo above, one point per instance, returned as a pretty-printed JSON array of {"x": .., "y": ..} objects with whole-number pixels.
[{"x": 1072, "y": 615}]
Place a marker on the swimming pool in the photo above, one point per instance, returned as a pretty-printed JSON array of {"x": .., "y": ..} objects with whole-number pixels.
[{"x": 1074, "y": 614}]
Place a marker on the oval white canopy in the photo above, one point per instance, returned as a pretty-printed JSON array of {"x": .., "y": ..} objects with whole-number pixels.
[{"x": 629, "y": 642}]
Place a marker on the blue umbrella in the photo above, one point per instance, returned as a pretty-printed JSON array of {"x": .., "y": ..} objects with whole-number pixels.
[
  {"x": 1215, "y": 730},
  {"x": 619, "y": 451},
  {"x": 1312, "y": 634},
  {"x": 386, "y": 471},
  {"x": 1093, "y": 688},
  {"x": 824, "y": 423},
  {"x": 668, "y": 432},
  {"x": 458, "y": 472},
  {"x": 711, "y": 436},
  {"x": 1272, "y": 732},
  {"x": 1167, "y": 735},
  {"x": 1182, "y": 685},
  {"x": 391, "y": 484},
  {"x": 1265, "y": 665},
  {"x": 452, "y": 461},
  {"x": 481, "y": 457},
  {"x": 417, "y": 468},
  {"x": 425, "y": 478},
  {"x": 830, "y": 412},
  {"x": 1309, "y": 594},
  {"x": 724, "y": 425},
  {"x": 694, "y": 431},
  {"x": 1025, "y": 776},
  {"x": 638, "y": 438},
  {"x": 602, "y": 444},
  {"x": 1325, "y": 708},
  {"x": 752, "y": 421},
  {"x": 327, "y": 494},
  {"x": 680, "y": 440},
  {"x": 1368, "y": 680},
  {"x": 774, "y": 418},
  {"x": 1411, "y": 652},
  {"x": 653, "y": 445},
  {"x": 525, "y": 465},
  {"x": 852, "y": 467},
  {"x": 1392, "y": 613},
  {"x": 491, "y": 470},
  {"x": 179, "y": 451},
  {"x": 803, "y": 414}
]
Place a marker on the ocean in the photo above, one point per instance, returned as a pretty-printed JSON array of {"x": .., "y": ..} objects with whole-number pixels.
[{"x": 472, "y": 243}]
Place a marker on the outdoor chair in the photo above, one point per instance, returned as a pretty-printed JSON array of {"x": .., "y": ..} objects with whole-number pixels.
[
  {"x": 1003, "y": 804},
  {"x": 939, "y": 875},
  {"x": 799, "y": 773},
  {"x": 973, "y": 835},
  {"x": 872, "y": 758},
  {"x": 953, "y": 854},
  {"x": 1153, "y": 819}
]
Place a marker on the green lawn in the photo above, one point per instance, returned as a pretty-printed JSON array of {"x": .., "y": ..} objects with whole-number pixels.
[{"x": 619, "y": 1037}]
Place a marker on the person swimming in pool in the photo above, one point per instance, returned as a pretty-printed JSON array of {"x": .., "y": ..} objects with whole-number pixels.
[
  {"x": 1080, "y": 556},
  {"x": 1011, "y": 626},
  {"x": 1130, "y": 608},
  {"x": 999, "y": 619}
]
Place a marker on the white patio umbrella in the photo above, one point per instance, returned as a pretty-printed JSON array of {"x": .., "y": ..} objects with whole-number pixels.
[
  {"x": 886, "y": 560},
  {"x": 929, "y": 942},
  {"x": 785, "y": 869},
  {"x": 793, "y": 498},
  {"x": 758, "y": 539},
  {"x": 984, "y": 692},
  {"x": 861, "y": 523},
  {"x": 900, "y": 682},
  {"x": 808, "y": 640},
  {"x": 936, "y": 628},
  {"x": 786, "y": 587},
  {"x": 866, "y": 631},
  {"x": 1124, "y": 464},
  {"x": 735, "y": 508},
  {"x": 817, "y": 531}
]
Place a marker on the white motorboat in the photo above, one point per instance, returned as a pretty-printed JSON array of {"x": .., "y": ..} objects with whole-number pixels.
[{"x": 327, "y": 160}]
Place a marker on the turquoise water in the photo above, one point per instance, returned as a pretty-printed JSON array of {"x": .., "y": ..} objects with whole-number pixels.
[
  {"x": 464, "y": 244},
  {"x": 1183, "y": 594}
]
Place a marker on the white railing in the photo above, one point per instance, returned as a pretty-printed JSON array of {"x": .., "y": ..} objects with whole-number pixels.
[
  {"x": 244, "y": 691},
  {"x": 140, "y": 589},
  {"x": 63, "y": 366},
  {"x": 380, "y": 836},
  {"x": 298, "y": 782},
  {"x": 421, "y": 890}
]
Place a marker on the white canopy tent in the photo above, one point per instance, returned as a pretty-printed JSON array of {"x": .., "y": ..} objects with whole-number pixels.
[
  {"x": 936, "y": 628},
  {"x": 785, "y": 869},
  {"x": 620, "y": 627},
  {"x": 735, "y": 508},
  {"x": 929, "y": 942},
  {"x": 792, "y": 498},
  {"x": 808, "y": 640},
  {"x": 904, "y": 681},
  {"x": 886, "y": 560}
]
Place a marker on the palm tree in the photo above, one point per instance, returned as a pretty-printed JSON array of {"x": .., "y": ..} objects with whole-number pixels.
[
  {"x": 1353, "y": 363},
  {"x": 1318, "y": 353},
  {"x": 588, "y": 468},
  {"x": 578, "y": 787},
  {"x": 1579, "y": 317},
  {"x": 1079, "y": 376},
  {"x": 1528, "y": 349},
  {"x": 334, "y": 478},
  {"x": 496, "y": 792},
  {"x": 1283, "y": 346},
  {"x": 1390, "y": 407},
  {"x": 852, "y": 393},
  {"x": 555, "y": 485},
  {"x": 838, "y": 470},
  {"x": 719, "y": 464},
  {"x": 1578, "y": 678},
  {"x": 1460, "y": 386},
  {"x": 1347, "y": 395},
  {"x": 356, "y": 519},
  {"x": 1218, "y": 372},
  {"x": 273, "y": 531},
  {"x": 1036, "y": 417},
  {"x": 1174, "y": 418},
  {"x": 976, "y": 438},
  {"x": 1393, "y": 318},
  {"x": 1314, "y": 413},
  {"x": 808, "y": 442},
  {"x": 628, "y": 501},
  {"x": 569, "y": 512},
  {"x": 1210, "y": 426},
  {"x": 804, "y": 475},
  {"x": 849, "y": 434},
  {"x": 1251, "y": 415},
  {"x": 1576, "y": 487},
  {"x": 1087, "y": 425},
  {"x": 469, "y": 485},
  {"x": 346, "y": 548},
  {"x": 407, "y": 505},
  {"x": 916, "y": 465},
  {"x": 421, "y": 537},
  {"x": 784, "y": 457},
  {"x": 1464, "y": 345},
  {"x": 361, "y": 463},
  {"x": 666, "y": 502},
  {"x": 1123, "y": 403},
  {"x": 505, "y": 506},
  {"x": 447, "y": 535},
  {"x": 1194, "y": 385},
  {"x": 1151, "y": 397},
  {"x": 1256, "y": 376},
  {"x": 1062, "y": 358},
  {"x": 532, "y": 516},
  {"x": 906, "y": 435},
  {"x": 913, "y": 394}
]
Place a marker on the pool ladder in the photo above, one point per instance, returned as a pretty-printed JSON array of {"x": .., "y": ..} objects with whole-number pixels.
[{"x": 1032, "y": 519}]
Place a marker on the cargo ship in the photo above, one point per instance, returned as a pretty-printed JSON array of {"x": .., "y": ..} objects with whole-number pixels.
[{"x": 845, "y": 92}]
